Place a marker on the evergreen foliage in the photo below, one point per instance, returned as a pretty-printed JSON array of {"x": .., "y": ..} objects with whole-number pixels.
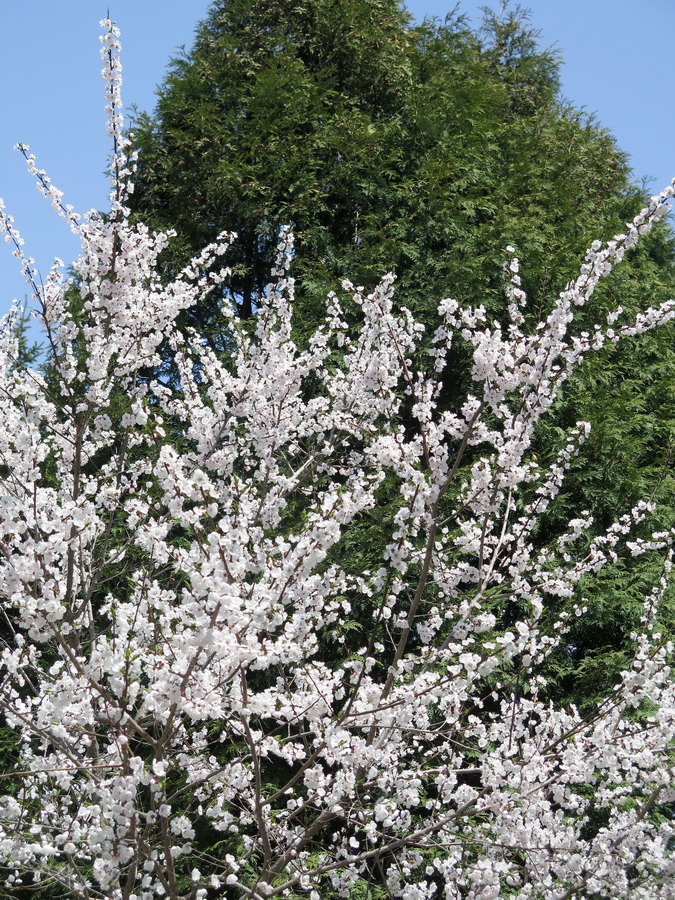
[
  {"x": 420, "y": 150},
  {"x": 28, "y": 351},
  {"x": 423, "y": 150}
]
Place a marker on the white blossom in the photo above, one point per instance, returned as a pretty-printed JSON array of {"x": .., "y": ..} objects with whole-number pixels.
[{"x": 175, "y": 573}]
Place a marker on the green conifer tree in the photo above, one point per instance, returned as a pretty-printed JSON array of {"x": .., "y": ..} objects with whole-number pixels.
[{"x": 424, "y": 150}]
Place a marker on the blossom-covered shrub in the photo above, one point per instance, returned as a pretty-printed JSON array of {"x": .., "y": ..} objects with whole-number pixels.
[{"x": 192, "y": 715}]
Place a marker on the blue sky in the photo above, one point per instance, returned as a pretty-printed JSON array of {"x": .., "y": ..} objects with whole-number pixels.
[{"x": 618, "y": 64}]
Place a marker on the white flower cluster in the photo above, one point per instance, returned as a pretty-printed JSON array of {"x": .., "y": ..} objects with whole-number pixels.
[{"x": 193, "y": 714}]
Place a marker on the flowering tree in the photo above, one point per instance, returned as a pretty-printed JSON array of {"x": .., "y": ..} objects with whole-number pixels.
[{"x": 191, "y": 716}]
